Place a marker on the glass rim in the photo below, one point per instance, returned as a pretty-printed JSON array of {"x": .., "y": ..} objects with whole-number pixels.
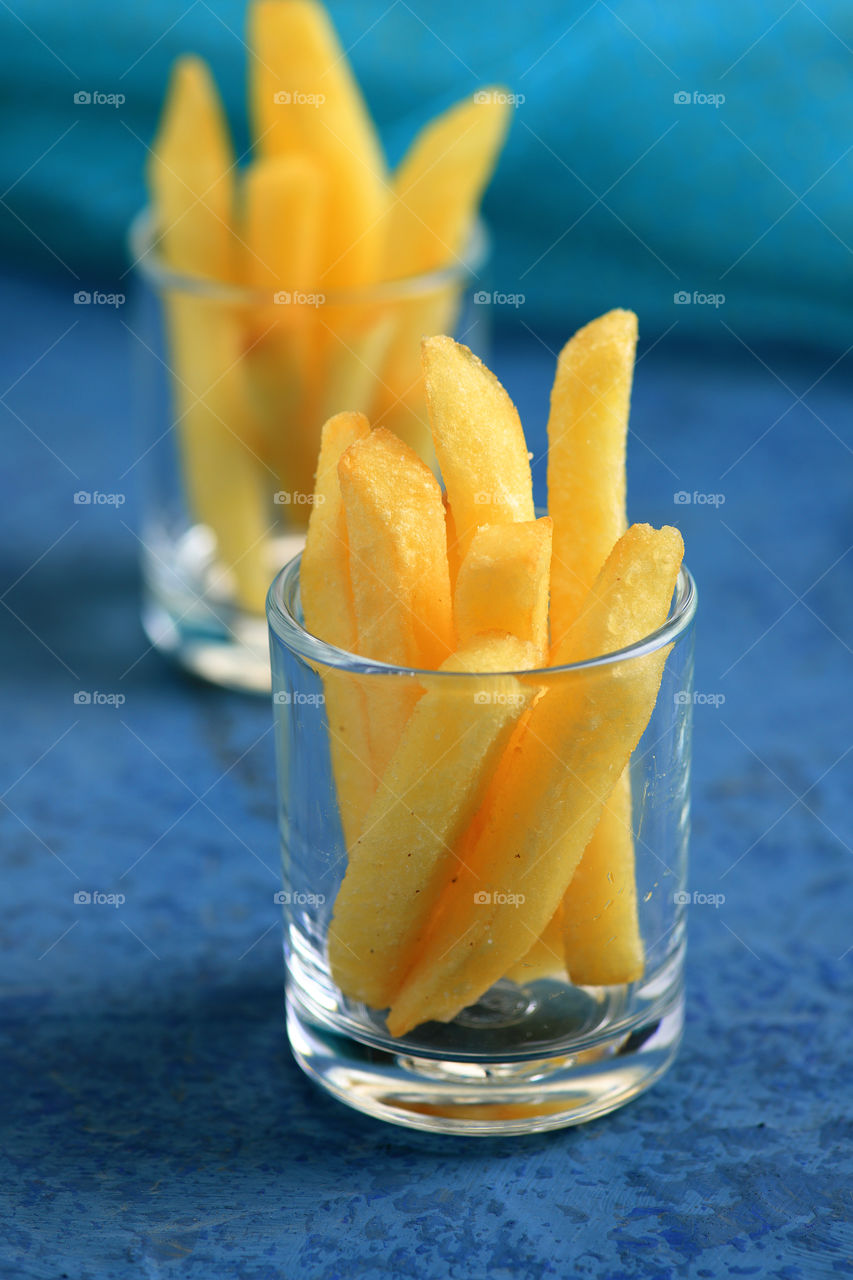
[
  {"x": 146, "y": 260},
  {"x": 290, "y": 631}
]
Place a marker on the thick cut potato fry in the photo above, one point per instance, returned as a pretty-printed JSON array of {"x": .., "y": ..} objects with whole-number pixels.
[
  {"x": 430, "y": 791},
  {"x": 478, "y": 440},
  {"x": 398, "y": 567},
  {"x": 503, "y": 583},
  {"x": 284, "y": 200},
  {"x": 545, "y": 957},
  {"x": 329, "y": 611},
  {"x": 440, "y": 182},
  {"x": 304, "y": 97},
  {"x": 601, "y": 936},
  {"x": 587, "y": 430},
  {"x": 549, "y": 789},
  {"x": 191, "y": 179}
]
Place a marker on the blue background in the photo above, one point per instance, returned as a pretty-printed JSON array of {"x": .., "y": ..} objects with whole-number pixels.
[
  {"x": 153, "y": 1122},
  {"x": 609, "y": 193}
]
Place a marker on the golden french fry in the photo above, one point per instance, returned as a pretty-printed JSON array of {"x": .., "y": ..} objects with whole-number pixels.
[
  {"x": 439, "y": 184},
  {"x": 478, "y": 440},
  {"x": 502, "y": 583},
  {"x": 304, "y": 97},
  {"x": 549, "y": 788},
  {"x": 587, "y": 430},
  {"x": 284, "y": 199},
  {"x": 545, "y": 957},
  {"x": 190, "y": 176},
  {"x": 329, "y": 611},
  {"x": 601, "y": 936},
  {"x": 398, "y": 568},
  {"x": 430, "y": 791}
]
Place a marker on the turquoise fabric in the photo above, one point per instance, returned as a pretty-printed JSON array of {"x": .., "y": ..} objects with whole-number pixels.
[{"x": 610, "y": 190}]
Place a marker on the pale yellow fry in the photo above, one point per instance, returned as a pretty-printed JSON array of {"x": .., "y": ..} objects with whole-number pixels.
[
  {"x": 440, "y": 182},
  {"x": 329, "y": 612},
  {"x": 429, "y": 793},
  {"x": 549, "y": 789},
  {"x": 601, "y": 936},
  {"x": 398, "y": 567},
  {"x": 587, "y": 431},
  {"x": 284, "y": 203},
  {"x": 545, "y": 957},
  {"x": 295, "y": 54},
  {"x": 503, "y": 583},
  {"x": 478, "y": 440},
  {"x": 190, "y": 175}
]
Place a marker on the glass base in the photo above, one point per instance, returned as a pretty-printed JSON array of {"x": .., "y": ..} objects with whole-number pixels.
[
  {"x": 189, "y": 615},
  {"x": 501, "y": 1089}
]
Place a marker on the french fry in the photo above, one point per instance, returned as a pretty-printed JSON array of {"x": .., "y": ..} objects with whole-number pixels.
[
  {"x": 503, "y": 583},
  {"x": 329, "y": 611},
  {"x": 601, "y": 935},
  {"x": 587, "y": 430},
  {"x": 545, "y": 957},
  {"x": 304, "y": 97},
  {"x": 549, "y": 789},
  {"x": 398, "y": 568},
  {"x": 478, "y": 440},
  {"x": 430, "y": 791},
  {"x": 191, "y": 178},
  {"x": 284, "y": 200},
  {"x": 439, "y": 184}
]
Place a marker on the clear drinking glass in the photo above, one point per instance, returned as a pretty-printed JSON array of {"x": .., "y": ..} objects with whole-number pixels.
[
  {"x": 535, "y": 1051},
  {"x": 233, "y": 386}
]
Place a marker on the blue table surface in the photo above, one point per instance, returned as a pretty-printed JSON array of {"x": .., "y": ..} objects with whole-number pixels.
[{"x": 154, "y": 1123}]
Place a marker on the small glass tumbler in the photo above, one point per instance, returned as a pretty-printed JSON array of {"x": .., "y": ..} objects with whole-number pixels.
[
  {"x": 233, "y": 386},
  {"x": 534, "y": 1050}
]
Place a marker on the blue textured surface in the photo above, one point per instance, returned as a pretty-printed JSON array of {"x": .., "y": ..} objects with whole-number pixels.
[
  {"x": 154, "y": 1124},
  {"x": 609, "y": 189}
]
